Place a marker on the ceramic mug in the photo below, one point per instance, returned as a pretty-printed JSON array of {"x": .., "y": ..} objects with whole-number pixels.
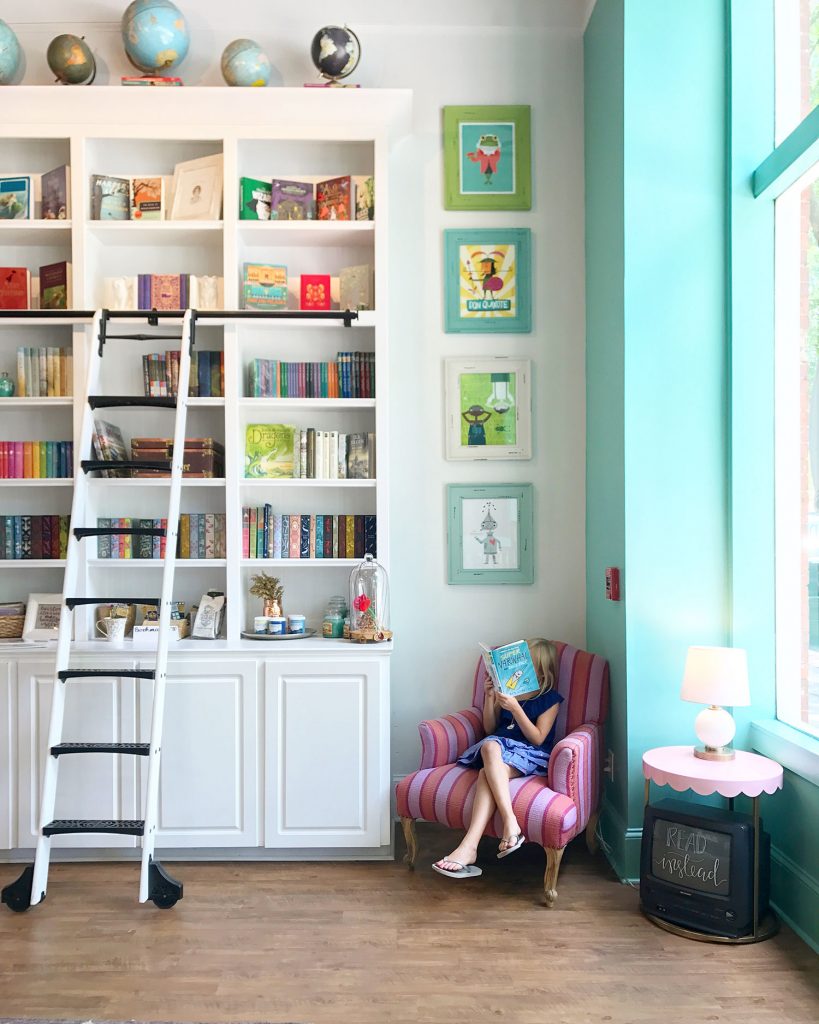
[{"x": 112, "y": 629}]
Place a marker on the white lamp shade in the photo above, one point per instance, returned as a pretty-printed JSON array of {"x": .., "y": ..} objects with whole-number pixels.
[{"x": 716, "y": 675}]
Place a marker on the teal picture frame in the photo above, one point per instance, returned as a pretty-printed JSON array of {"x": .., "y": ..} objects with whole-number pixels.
[
  {"x": 487, "y": 157},
  {"x": 487, "y": 280},
  {"x": 490, "y": 534}
]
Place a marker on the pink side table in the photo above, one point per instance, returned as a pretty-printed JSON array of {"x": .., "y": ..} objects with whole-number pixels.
[{"x": 747, "y": 775}]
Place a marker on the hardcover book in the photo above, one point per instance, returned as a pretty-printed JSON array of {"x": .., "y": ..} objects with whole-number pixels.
[
  {"x": 510, "y": 668},
  {"x": 333, "y": 198},
  {"x": 15, "y": 198},
  {"x": 165, "y": 292},
  {"x": 364, "y": 197},
  {"x": 15, "y": 287},
  {"x": 55, "y": 187},
  {"x": 55, "y": 286},
  {"x": 110, "y": 198},
  {"x": 269, "y": 450},
  {"x": 254, "y": 199},
  {"x": 148, "y": 198},
  {"x": 315, "y": 291},
  {"x": 291, "y": 200},
  {"x": 356, "y": 288},
  {"x": 264, "y": 286},
  {"x": 109, "y": 446},
  {"x": 360, "y": 464}
]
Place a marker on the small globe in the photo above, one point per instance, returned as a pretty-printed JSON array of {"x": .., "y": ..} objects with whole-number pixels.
[
  {"x": 245, "y": 63},
  {"x": 155, "y": 35},
  {"x": 335, "y": 51},
  {"x": 71, "y": 60},
  {"x": 10, "y": 54}
]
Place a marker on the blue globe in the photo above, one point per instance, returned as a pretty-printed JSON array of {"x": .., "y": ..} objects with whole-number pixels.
[
  {"x": 155, "y": 35},
  {"x": 10, "y": 54},
  {"x": 245, "y": 63}
]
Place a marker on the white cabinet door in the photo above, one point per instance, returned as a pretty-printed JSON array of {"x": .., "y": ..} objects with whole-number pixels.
[
  {"x": 99, "y": 786},
  {"x": 209, "y": 778},
  {"x": 8, "y": 756},
  {"x": 326, "y": 753}
]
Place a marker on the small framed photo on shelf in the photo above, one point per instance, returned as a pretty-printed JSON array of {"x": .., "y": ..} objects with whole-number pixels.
[
  {"x": 490, "y": 530},
  {"x": 487, "y": 158},
  {"x": 488, "y": 280},
  {"x": 42, "y": 616},
  {"x": 197, "y": 189},
  {"x": 488, "y": 408}
]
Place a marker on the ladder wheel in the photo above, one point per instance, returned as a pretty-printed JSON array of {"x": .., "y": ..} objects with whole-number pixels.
[
  {"x": 163, "y": 889},
  {"x": 164, "y": 901},
  {"x": 17, "y": 896}
]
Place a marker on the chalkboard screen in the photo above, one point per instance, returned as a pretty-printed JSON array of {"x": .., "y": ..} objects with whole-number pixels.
[{"x": 693, "y": 858}]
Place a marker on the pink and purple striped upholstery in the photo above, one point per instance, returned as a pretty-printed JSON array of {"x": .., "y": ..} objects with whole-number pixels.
[{"x": 551, "y": 810}]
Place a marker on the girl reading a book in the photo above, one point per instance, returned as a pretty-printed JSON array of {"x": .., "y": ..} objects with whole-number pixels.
[{"x": 520, "y": 734}]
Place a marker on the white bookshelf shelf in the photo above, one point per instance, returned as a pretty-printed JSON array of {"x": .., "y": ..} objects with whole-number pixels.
[
  {"x": 303, "y": 482},
  {"x": 32, "y": 563},
  {"x": 38, "y": 482},
  {"x": 306, "y": 232},
  {"x": 35, "y": 232},
  {"x": 307, "y": 403},
  {"x": 194, "y": 403},
  {"x": 157, "y": 563},
  {"x": 29, "y": 403},
  {"x": 154, "y": 232},
  {"x": 140, "y": 482},
  {"x": 311, "y": 563}
]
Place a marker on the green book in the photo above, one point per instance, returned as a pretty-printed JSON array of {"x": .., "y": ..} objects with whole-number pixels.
[
  {"x": 269, "y": 450},
  {"x": 254, "y": 199}
]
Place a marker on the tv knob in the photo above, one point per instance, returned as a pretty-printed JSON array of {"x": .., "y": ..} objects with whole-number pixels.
[
  {"x": 729, "y": 915},
  {"x": 662, "y": 909}
]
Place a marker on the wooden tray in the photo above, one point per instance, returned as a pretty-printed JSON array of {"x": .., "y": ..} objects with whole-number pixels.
[{"x": 278, "y": 636}]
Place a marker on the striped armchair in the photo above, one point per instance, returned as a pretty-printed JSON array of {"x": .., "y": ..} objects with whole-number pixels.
[{"x": 551, "y": 810}]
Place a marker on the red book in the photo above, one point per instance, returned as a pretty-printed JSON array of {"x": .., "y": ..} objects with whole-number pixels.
[
  {"x": 4, "y": 461},
  {"x": 328, "y": 536},
  {"x": 15, "y": 288},
  {"x": 315, "y": 291},
  {"x": 18, "y": 459},
  {"x": 359, "y": 537},
  {"x": 55, "y": 537}
]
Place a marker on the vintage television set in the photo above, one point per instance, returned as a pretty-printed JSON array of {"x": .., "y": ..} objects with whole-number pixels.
[{"x": 697, "y": 868}]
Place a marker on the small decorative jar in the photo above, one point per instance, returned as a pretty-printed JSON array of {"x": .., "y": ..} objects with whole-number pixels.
[
  {"x": 277, "y": 625},
  {"x": 272, "y": 608},
  {"x": 296, "y": 623},
  {"x": 369, "y": 603},
  {"x": 6, "y": 386}
]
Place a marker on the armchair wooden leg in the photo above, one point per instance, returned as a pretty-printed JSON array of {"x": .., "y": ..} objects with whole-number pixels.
[
  {"x": 592, "y": 843},
  {"x": 410, "y": 838},
  {"x": 553, "y": 858}
]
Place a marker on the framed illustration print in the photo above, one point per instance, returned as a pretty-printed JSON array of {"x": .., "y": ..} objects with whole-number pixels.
[
  {"x": 42, "y": 616},
  {"x": 487, "y": 158},
  {"x": 197, "y": 189},
  {"x": 487, "y": 280},
  {"x": 488, "y": 408},
  {"x": 490, "y": 530}
]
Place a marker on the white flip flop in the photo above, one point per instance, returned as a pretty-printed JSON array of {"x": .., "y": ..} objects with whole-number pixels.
[
  {"x": 519, "y": 840},
  {"x": 467, "y": 870}
]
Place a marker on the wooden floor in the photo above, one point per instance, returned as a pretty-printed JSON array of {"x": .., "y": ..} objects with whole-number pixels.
[{"x": 374, "y": 943}]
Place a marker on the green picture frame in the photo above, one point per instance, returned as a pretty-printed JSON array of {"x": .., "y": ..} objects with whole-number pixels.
[
  {"x": 488, "y": 280},
  {"x": 487, "y": 157},
  {"x": 490, "y": 533}
]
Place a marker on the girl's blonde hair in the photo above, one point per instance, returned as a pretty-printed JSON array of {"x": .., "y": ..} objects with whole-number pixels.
[{"x": 544, "y": 656}]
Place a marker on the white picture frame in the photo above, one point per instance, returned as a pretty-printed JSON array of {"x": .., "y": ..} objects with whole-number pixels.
[
  {"x": 197, "y": 189},
  {"x": 495, "y": 425},
  {"x": 42, "y": 616}
]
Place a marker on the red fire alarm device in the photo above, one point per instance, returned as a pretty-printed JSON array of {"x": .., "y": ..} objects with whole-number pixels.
[{"x": 612, "y": 584}]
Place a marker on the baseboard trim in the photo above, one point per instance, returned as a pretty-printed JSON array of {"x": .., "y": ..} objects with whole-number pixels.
[
  {"x": 621, "y": 844},
  {"x": 795, "y": 897}
]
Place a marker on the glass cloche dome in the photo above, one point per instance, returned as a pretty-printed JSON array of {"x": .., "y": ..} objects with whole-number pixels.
[{"x": 369, "y": 603}]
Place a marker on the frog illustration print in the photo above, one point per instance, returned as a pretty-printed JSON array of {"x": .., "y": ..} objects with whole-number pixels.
[{"x": 488, "y": 154}]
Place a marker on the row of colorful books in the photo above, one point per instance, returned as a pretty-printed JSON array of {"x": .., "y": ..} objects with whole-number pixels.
[
  {"x": 349, "y": 197},
  {"x": 352, "y": 375},
  {"x": 163, "y": 291},
  {"x": 36, "y": 460},
  {"x": 201, "y": 535},
  {"x": 29, "y": 537},
  {"x": 266, "y": 286},
  {"x": 36, "y": 196},
  {"x": 45, "y": 372},
  {"x": 281, "y": 451},
  {"x": 19, "y": 289},
  {"x": 266, "y": 534},
  {"x": 160, "y": 373}
]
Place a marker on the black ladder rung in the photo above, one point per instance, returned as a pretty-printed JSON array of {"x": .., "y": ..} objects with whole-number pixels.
[
  {"x": 105, "y": 673},
  {"x": 72, "y": 602},
  {"x": 144, "y": 337},
  {"x": 110, "y": 531},
  {"x": 121, "y": 401},
  {"x": 91, "y": 465},
  {"x": 141, "y": 749},
  {"x": 72, "y": 826}
]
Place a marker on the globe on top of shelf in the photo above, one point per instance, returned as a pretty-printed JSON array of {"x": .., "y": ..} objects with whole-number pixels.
[
  {"x": 71, "y": 60},
  {"x": 335, "y": 51},
  {"x": 155, "y": 35},
  {"x": 11, "y": 56},
  {"x": 245, "y": 63}
]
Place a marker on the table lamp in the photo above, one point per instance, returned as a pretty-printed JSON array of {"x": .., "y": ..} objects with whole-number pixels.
[{"x": 716, "y": 676}]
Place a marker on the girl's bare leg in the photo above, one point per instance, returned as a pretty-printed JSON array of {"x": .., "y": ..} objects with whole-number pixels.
[
  {"x": 498, "y": 775},
  {"x": 482, "y": 810}
]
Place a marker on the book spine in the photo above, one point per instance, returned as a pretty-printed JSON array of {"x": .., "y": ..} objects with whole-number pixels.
[
  {"x": 314, "y": 536},
  {"x": 284, "y": 550},
  {"x": 21, "y": 372},
  {"x": 245, "y": 533},
  {"x": 295, "y": 536},
  {"x": 327, "y": 537},
  {"x": 25, "y": 537},
  {"x": 358, "y": 537},
  {"x": 203, "y": 367},
  {"x": 210, "y": 535},
  {"x": 341, "y": 541},
  {"x": 304, "y": 536},
  {"x": 370, "y": 535},
  {"x": 104, "y": 542}
]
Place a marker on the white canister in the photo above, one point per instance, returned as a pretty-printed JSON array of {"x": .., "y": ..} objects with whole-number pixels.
[
  {"x": 277, "y": 625},
  {"x": 260, "y": 624},
  {"x": 295, "y": 623}
]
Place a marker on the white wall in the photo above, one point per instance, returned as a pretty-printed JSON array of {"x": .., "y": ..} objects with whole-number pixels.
[{"x": 449, "y": 53}]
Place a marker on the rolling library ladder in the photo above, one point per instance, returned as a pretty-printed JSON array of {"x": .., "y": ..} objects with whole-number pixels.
[{"x": 154, "y": 883}]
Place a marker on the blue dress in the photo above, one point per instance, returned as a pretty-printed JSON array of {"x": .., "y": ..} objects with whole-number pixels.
[{"x": 516, "y": 750}]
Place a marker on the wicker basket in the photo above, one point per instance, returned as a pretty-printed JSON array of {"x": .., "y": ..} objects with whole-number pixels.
[{"x": 11, "y": 626}]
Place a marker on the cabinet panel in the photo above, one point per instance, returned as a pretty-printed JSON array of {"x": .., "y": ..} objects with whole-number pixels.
[
  {"x": 325, "y": 783},
  {"x": 90, "y": 785},
  {"x": 8, "y": 755},
  {"x": 208, "y": 783}
]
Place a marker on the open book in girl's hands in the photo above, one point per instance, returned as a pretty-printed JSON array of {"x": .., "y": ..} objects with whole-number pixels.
[{"x": 511, "y": 668}]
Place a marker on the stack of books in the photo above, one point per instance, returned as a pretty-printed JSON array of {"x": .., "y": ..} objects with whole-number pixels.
[
  {"x": 266, "y": 534},
  {"x": 282, "y": 451},
  {"x": 160, "y": 373},
  {"x": 266, "y": 286},
  {"x": 45, "y": 372},
  {"x": 349, "y": 197},
  {"x": 351, "y": 376},
  {"x": 36, "y": 460},
  {"x": 30, "y": 537}
]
